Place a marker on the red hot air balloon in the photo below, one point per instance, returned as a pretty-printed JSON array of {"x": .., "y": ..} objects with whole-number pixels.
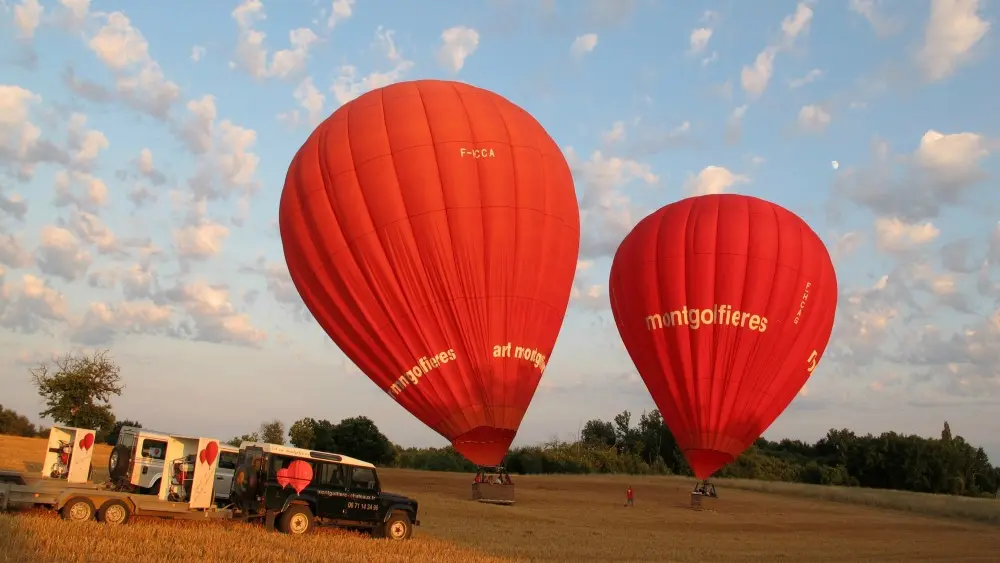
[
  {"x": 432, "y": 229},
  {"x": 725, "y": 304}
]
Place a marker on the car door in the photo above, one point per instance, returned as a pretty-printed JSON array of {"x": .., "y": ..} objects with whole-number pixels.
[
  {"x": 331, "y": 490},
  {"x": 224, "y": 474},
  {"x": 362, "y": 495}
]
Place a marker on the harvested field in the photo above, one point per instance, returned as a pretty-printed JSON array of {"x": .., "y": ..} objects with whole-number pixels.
[{"x": 557, "y": 518}]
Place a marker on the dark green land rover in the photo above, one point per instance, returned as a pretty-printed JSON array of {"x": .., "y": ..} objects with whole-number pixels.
[{"x": 295, "y": 489}]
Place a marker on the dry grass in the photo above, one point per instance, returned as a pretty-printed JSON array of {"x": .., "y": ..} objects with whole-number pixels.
[{"x": 557, "y": 518}]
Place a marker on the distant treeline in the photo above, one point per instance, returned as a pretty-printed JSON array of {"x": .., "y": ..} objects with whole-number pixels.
[{"x": 947, "y": 464}]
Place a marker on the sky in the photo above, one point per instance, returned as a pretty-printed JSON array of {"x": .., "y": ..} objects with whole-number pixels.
[{"x": 143, "y": 151}]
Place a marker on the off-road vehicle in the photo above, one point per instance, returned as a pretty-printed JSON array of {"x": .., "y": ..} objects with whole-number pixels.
[
  {"x": 137, "y": 460},
  {"x": 295, "y": 488}
]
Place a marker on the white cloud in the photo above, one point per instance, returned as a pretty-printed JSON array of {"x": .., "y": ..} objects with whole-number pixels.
[
  {"x": 713, "y": 180},
  {"x": 251, "y": 53},
  {"x": 458, "y": 44},
  {"x": 197, "y": 53},
  {"x": 61, "y": 254},
  {"x": 349, "y": 84},
  {"x": 583, "y": 44},
  {"x": 606, "y": 213},
  {"x": 200, "y": 242},
  {"x": 814, "y": 119},
  {"x": 340, "y": 10},
  {"x": 869, "y": 9},
  {"x": 895, "y": 235},
  {"x": 616, "y": 133},
  {"x": 953, "y": 29},
  {"x": 699, "y": 39},
  {"x": 309, "y": 99},
  {"x": 27, "y": 17},
  {"x": 755, "y": 79},
  {"x": 810, "y": 77}
]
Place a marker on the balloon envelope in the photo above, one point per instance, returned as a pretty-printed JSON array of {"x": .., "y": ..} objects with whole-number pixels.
[
  {"x": 432, "y": 229},
  {"x": 725, "y": 304}
]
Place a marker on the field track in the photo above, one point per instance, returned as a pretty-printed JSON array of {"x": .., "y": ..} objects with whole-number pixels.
[{"x": 557, "y": 518}]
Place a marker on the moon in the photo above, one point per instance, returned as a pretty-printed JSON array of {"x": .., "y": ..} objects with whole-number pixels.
[{"x": 834, "y": 164}]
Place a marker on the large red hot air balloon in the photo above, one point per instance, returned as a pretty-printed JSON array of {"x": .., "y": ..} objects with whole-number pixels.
[
  {"x": 725, "y": 304},
  {"x": 432, "y": 229}
]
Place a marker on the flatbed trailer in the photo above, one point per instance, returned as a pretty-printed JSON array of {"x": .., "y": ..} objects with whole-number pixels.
[{"x": 91, "y": 500}]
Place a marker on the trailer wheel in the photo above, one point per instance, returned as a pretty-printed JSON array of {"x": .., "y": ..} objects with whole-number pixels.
[
  {"x": 296, "y": 521},
  {"x": 115, "y": 512},
  {"x": 78, "y": 509}
]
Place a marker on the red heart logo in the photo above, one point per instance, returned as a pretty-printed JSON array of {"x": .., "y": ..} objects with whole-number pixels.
[
  {"x": 298, "y": 474},
  {"x": 87, "y": 442},
  {"x": 208, "y": 454}
]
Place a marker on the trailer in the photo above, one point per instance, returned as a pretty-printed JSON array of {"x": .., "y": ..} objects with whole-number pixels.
[{"x": 186, "y": 491}]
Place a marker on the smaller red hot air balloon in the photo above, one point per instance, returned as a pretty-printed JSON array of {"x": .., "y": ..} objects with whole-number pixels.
[{"x": 725, "y": 304}]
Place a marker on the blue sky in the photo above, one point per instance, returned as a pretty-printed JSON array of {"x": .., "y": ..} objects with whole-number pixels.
[{"x": 143, "y": 150}]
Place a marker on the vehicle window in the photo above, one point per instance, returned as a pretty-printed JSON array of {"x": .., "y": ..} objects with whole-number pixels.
[
  {"x": 278, "y": 463},
  {"x": 362, "y": 478},
  {"x": 156, "y": 449},
  {"x": 332, "y": 475},
  {"x": 126, "y": 439},
  {"x": 227, "y": 460}
]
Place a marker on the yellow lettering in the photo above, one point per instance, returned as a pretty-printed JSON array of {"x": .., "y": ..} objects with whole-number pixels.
[
  {"x": 696, "y": 317},
  {"x": 497, "y": 351}
]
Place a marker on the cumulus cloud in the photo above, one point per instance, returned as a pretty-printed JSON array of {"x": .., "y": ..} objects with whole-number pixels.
[
  {"x": 713, "y": 180},
  {"x": 583, "y": 44},
  {"x": 606, "y": 212},
  {"x": 458, "y": 44},
  {"x": 938, "y": 173},
  {"x": 953, "y": 30},
  {"x": 754, "y": 78},
  {"x": 251, "y": 54},
  {"x": 350, "y": 84}
]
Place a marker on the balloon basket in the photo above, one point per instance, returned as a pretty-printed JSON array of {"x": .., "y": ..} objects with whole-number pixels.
[
  {"x": 703, "y": 496},
  {"x": 492, "y": 485}
]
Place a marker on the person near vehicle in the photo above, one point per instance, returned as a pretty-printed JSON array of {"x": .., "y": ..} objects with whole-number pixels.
[{"x": 629, "y": 497}]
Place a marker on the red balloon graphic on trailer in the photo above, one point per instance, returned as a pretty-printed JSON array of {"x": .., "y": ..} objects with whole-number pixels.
[
  {"x": 726, "y": 304},
  {"x": 432, "y": 229}
]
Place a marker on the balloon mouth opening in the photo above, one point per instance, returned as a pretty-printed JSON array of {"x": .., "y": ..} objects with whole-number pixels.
[
  {"x": 484, "y": 445},
  {"x": 705, "y": 462}
]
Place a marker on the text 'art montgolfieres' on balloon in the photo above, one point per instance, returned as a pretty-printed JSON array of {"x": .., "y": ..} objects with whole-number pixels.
[
  {"x": 432, "y": 229},
  {"x": 725, "y": 304}
]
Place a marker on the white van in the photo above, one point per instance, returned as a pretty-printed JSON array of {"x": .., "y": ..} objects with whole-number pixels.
[{"x": 137, "y": 460}]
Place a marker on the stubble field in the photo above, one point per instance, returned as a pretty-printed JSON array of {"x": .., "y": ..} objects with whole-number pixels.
[{"x": 556, "y": 518}]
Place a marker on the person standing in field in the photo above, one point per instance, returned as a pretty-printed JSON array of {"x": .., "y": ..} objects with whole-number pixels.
[{"x": 629, "y": 497}]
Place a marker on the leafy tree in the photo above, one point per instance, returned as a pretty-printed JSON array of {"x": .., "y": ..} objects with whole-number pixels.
[
  {"x": 252, "y": 437},
  {"x": 77, "y": 390},
  {"x": 302, "y": 434},
  {"x": 272, "y": 432},
  {"x": 116, "y": 428},
  {"x": 359, "y": 437},
  {"x": 14, "y": 424},
  {"x": 599, "y": 433}
]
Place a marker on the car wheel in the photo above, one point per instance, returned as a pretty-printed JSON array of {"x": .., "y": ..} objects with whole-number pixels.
[
  {"x": 297, "y": 520},
  {"x": 398, "y": 527}
]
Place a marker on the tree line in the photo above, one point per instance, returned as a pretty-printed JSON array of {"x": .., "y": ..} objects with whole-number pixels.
[{"x": 78, "y": 389}]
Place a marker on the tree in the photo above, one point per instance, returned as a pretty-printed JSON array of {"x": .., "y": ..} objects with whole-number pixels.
[
  {"x": 116, "y": 428},
  {"x": 251, "y": 437},
  {"x": 272, "y": 432},
  {"x": 359, "y": 437},
  {"x": 77, "y": 392},
  {"x": 14, "y": 424},
  {"x": 302, "y": 434},
  {"x": 599, "y": 433}
]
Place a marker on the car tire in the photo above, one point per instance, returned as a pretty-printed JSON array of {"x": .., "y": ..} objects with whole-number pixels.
[
  {"x": 114, "y": 512},
  {"x": 118, "y": 462},
  {"x": 397, "y": 527},
  {"x": 296, "y": 521}
]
